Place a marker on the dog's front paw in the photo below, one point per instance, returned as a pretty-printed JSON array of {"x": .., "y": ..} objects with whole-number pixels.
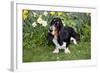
[
  {"x": 67, "y": 51},
  {"x": 56, "y": 51}
]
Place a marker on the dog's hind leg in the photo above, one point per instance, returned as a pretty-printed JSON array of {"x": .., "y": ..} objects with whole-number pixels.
[{"x": 66, "y": 49}]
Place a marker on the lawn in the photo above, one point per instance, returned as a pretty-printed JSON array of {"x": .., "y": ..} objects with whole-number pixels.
[{"x": 81, "y": 51}]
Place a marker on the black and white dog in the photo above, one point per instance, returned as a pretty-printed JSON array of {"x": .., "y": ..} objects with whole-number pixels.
[{"x": 61, "y": 36}]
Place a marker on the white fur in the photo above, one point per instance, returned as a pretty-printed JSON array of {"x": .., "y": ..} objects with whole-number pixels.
[
  {"x": 57, "y": 44},
  {"x": 66, "y": 50},
  {"x": 74, "y": 40},
  {"x": 56, "y": 50},
  {"x": 53, "y": 30}
]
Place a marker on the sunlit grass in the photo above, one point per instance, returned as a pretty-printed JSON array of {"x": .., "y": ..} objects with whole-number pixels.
[{"x": 81, "y": 51}]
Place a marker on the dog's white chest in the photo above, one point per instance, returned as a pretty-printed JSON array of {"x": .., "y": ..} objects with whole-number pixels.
[{"x": 57, "y": 44}]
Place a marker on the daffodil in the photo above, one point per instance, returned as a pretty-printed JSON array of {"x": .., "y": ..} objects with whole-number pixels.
[
  {"x": 60, "y": 13},
  {"x": 25, "y": 14},
  {"x": 39, "y": 20},
  {"x": 44, "y": 23},
  {"x": 25, "y": 11},
  {"x": 52, "y": 13},
  {"x": 45, "y": 13},
  {"x": 25, "y": 17},
  {"x": 34, "y": 24},
  {"x": 35, "y": 14}
]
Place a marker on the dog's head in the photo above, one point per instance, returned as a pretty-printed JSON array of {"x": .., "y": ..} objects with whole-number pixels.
[{"x": 55, "y": 26}]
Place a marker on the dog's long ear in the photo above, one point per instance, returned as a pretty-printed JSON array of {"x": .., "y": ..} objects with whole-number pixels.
[
  {"x": 60, "y": 34},
  {"x": 50, "y": 37},
  {"x": 60, "y": 38},
  {"x": 60, "y": 24}
]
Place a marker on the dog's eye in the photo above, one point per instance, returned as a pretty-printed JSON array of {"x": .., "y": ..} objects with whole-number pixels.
[
  {"x": 54, "y": 19},
  {"x": 50, "y": 30}
]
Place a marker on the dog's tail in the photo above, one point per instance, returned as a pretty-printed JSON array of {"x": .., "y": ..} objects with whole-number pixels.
[{"x": 75, "y": 37}]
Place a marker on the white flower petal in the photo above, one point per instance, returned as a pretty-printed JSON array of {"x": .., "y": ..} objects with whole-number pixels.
[
  {"x": 34, "y": 24},
  {"x": 44, "y": 23},
  {"x": 45, "y": 13},
  {"x": 39, "y": 20}
]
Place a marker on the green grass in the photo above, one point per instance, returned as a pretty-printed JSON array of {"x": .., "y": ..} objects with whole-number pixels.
[{"x": 81, "y": 51}]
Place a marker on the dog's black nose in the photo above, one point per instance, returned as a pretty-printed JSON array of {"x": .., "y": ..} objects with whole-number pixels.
[{"x": 50, "y": 30}]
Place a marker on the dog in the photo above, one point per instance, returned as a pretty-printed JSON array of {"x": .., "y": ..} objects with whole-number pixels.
[{"x": 61, "y": 36}]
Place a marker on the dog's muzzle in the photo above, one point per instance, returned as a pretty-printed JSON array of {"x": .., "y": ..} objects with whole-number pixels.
[{"x": 52, "y": 30}]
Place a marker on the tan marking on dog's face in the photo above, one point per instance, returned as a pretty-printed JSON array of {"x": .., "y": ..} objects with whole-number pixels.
[{"x": 54, "y": 30}]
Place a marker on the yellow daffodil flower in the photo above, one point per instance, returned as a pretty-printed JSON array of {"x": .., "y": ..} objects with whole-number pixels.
[
  {"x": 60, "y": 13},
  {"x": 25, "y": 14},
  {"x": 52, "y": 13}
]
